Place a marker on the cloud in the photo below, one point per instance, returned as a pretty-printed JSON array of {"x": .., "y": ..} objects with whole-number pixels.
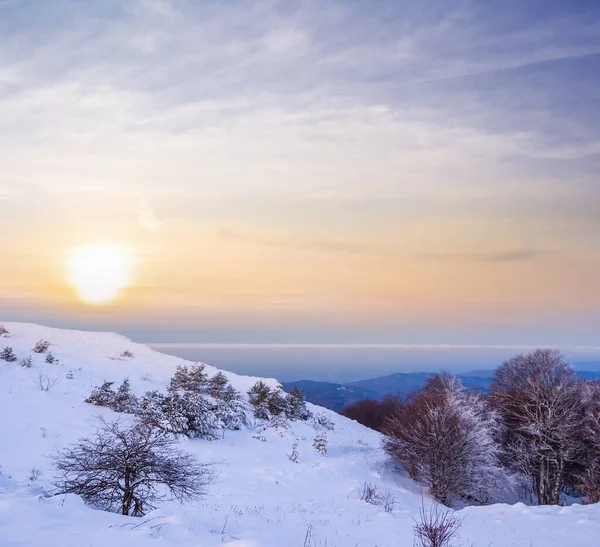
[
  {"x": 519, "y": 255},
  {"x": 296, "y": 242}
]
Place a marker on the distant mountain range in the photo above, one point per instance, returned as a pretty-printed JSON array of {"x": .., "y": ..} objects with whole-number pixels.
[{"x": 402, "y": 384}]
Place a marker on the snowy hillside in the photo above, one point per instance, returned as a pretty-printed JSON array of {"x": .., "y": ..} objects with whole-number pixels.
[{"x": 259, "y": 499}]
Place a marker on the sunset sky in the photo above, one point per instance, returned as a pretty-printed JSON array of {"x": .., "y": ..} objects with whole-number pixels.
[{"x": 319, "y": 171}]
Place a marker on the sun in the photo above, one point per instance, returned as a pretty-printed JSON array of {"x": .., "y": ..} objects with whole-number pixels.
[{"x": 99, "y": 272}]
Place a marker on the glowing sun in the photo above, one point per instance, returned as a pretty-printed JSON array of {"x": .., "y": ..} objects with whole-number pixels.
[{"x": 100, "y": 272}]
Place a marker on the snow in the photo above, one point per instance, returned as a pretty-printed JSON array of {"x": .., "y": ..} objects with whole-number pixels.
[{"x": 260, "y": 497}]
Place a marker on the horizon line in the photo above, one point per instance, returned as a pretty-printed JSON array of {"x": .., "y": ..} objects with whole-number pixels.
[{"x": 369, "y": 346}]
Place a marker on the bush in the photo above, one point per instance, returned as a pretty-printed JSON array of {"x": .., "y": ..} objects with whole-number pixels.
[
  {"x": 3, "y": 332},
  {"x": 293, "y": 456},
  {"x": 41, "y": 346},
  {"x": 128, "y": 470},
  {"x": 127, "y": 354},
  {"x": 45, "y": 382},
  {"x": 189, "y": 414},
  {"x": 320, "y": 443},
  {"x": 26, "y": 362},
  {"x": 373, "y": 495},
  {"x": 322, "y": 421},
  {"x": 50, "y": 359},
  {"x": 7, "y": 354},
  {"x": 435, "y": 528},
  {"x": 102, "y": 396}
]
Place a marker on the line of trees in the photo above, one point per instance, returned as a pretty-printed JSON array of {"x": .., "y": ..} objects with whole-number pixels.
[{"x": 536, "y": 433}]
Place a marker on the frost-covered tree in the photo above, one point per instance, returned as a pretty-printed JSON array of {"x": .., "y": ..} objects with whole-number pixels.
[
  {"x": 50, "y": 359},
  {"x": 445, "y": 439},
  {"x": 103, "y": 395},
  {"x": 189, "y": 379},
  {"x": 231, "y": 414},
  {"x": 296, "y": 405},
  {"x": 231, "y": 394},
  {"x": 320, "y": 443},
  {"x": 258, "y": 396},
  {"x": 539, "y": 399},
  {"x": 589, "y": 474},
  {"x": 124, "y": 400},
  {"x": 127, "y": 470},
  {"x": 277, "y": 403},
  {"x": 217, "y": 385},
  {"x": 26, "y": 362},
  {"x": 189, "y": 414},
  {"x": 7, "y": 354}
]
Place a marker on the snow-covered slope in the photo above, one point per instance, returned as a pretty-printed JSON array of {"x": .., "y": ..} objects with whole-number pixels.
[{"x": 260, "y": 497}]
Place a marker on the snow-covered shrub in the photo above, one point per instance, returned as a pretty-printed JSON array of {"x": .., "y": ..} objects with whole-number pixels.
[
  {"x": 26, "y": 362},
  {"x": 231, "y": 413},
  {"x": 127, "y": 354},
  {"x": 258, "y": 433},
  {"x": 446, "y": 439},
  {"x": 124, "y": 400},
  {"x": 45, "y": 382},
  {"x": 279, "y": 424},
  {"x": 189, "y": 379},
  {"x": 102, "y": 396},
  {"x": 296, "y": 405},
  {"x": 258, "y": 396},
  {"x": 369, "y": 493},
  {"x": 293, "y": 455},
  {"x": 189, "y": 414},
  {"x": 50, "y": 359},
  {"x": 69, "y": 375},
  {"x": 127, "y": 470},
  {"x": 41, "y": 346},
  {"x": 4, "y": 332},
  {"x": 320, "y": 443},
  {"x": 320, "y": 420},
  {"x": 7, "y": 354}
]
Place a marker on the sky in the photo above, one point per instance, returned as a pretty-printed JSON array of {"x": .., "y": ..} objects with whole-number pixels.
[{"x": 335, "y": 172}]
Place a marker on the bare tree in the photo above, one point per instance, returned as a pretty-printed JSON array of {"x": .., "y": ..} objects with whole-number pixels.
[
  {"x": 128, "y": 469},
  {"x": 445, "y": 438},
  {"x": 589, "y": 474},
  {"x": 539, "y": 399}
]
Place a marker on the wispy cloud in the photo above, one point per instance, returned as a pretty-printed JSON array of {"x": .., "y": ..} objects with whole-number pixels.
[{"x": 519, "y": 255}]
